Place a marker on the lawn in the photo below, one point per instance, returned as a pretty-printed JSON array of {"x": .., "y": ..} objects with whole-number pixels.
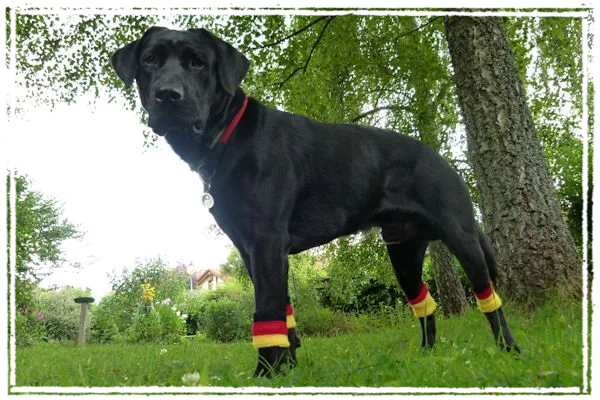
[{"x": 464, "y": 357}]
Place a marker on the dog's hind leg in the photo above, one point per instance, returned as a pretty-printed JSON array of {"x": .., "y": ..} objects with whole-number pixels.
[
  {"x": 407, "y": 259},
  {"x": 476, "y": 257}
]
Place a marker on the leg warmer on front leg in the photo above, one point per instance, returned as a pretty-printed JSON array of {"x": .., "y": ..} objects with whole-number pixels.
[
  {"x": 269, "y": 331},
  {"x": 289, "y": 317}
]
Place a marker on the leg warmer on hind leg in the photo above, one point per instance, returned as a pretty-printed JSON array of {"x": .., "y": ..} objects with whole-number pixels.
[{"x": 423, "y": 305}]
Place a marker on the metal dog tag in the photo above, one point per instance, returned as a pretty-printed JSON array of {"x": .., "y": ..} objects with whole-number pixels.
[{"x": 207, "y": 200}]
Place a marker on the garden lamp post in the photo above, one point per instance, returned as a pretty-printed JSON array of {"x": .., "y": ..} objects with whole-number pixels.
[{"x": 84, "y": 301}]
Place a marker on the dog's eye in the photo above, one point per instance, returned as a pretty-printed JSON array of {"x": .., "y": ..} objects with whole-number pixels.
[
  {"x": 150, "y": 59},
  {"x": 196, "y": 63}
]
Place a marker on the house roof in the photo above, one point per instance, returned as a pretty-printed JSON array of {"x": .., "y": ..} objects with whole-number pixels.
[{"x": 202, "y": 275}]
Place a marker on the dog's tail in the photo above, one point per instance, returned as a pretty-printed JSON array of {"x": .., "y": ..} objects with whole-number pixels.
[{"x": 488, "y": 253}]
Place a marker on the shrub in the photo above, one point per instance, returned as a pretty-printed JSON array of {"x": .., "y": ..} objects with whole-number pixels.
[
  {"x": 59, "y": 329},
  {"x": 225, "y": 321},
  {"x": 192, "y": 304},
  {"x": 29, "y": 328},
  {"x": 117, "y": 314},
  {"x": 159, "y": 323},
  {"x": 319, "y": 321},
  {"x": 325, "y": 322},
  {"x": 361, "y": 278},
  {"x": 60, "y": 313},
  {"x": 110, "y": 319},
  {"x": 167, "y": 283},
  {"x": 306, "y": 275},
  {"x": 398, "y": 316},
  {"x": 223, "y": 314}
]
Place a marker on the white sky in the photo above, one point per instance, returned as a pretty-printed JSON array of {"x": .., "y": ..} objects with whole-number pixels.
[{"x": 132, "y": 202}]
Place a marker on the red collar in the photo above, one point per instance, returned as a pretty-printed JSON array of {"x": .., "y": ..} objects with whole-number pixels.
[{"x": 228, "y": 132}]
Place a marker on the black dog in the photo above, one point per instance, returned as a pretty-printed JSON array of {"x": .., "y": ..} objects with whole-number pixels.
[{"x": 282, "y": 183}]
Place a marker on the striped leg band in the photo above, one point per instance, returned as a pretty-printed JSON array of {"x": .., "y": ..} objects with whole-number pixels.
[
  {"x": 270, "y": 334},
  {"x": 423, "y": 305},
  {"x": 488, "y": 300},
  {"x": 289, "y": 317}
]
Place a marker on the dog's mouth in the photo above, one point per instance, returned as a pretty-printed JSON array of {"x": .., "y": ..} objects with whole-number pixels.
[{"x": 164, "y": 126}]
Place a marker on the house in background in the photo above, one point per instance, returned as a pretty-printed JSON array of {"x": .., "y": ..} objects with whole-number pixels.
[{"x": 207, "y": 279}]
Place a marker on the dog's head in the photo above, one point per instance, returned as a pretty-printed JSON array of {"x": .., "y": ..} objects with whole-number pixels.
[{"x": 183, "y": 77}]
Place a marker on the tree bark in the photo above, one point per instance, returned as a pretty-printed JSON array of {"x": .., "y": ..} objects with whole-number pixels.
[
  {"x": 447, "y": 280},
  {"x": 535, "y": 253}
]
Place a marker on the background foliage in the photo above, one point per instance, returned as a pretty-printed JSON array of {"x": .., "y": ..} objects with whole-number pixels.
[
  {"x": 124, "y": 315},
  {"x": 389, "y": 71},
  {"x": 40, "y": 231},
  {"x": 60, "y": 314}
]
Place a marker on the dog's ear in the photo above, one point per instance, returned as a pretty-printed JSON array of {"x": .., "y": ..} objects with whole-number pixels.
[
  {"x": 125, "y": 60},
  {"x": 232, "y": 65}
]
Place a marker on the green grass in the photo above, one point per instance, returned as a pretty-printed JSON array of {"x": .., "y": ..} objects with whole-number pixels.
[{"x": 465, "y": 357}]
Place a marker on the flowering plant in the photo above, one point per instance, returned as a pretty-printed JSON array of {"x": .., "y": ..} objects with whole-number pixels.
[
  {"x": 156, "y": 322},
  {"x": 149, "y": 292}
]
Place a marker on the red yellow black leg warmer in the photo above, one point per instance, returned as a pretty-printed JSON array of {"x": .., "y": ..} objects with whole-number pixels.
[
  {"x": 423, "y": 305},
  {"x": 269, "y": 329},
  {"x": 289, "y": 317},
  {"x": 488, "y": 300}
]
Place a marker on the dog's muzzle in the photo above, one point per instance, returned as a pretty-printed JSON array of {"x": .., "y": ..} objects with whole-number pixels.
[
  {"x": 169, "y": 94},
  {"x": 198, "y": 127}
]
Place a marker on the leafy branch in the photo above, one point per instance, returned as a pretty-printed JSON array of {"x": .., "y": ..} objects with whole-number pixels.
[
  {"x": 291, "y": 35},
  {"x": 377, "y": 109},
  {"x": 403, "y": 34},
  {"x": 303, "y": 68}
]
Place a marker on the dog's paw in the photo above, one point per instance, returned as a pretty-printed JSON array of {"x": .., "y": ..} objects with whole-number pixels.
[
  {"x": 508, "y": 344},
  {"x": 429, "y": 345},
  {"x": 274, "y": 361}
]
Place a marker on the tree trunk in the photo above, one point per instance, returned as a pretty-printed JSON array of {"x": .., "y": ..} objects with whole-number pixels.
[
  {"x": 535, "y": 253},
  {"x": 447, "y": 280}
]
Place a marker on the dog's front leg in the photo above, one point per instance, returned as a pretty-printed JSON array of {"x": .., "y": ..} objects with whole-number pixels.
[{"x": 269, "y": 265}]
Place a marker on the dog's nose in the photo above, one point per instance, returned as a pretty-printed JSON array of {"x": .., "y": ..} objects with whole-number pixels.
[{"x": 169, "y": 94}]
